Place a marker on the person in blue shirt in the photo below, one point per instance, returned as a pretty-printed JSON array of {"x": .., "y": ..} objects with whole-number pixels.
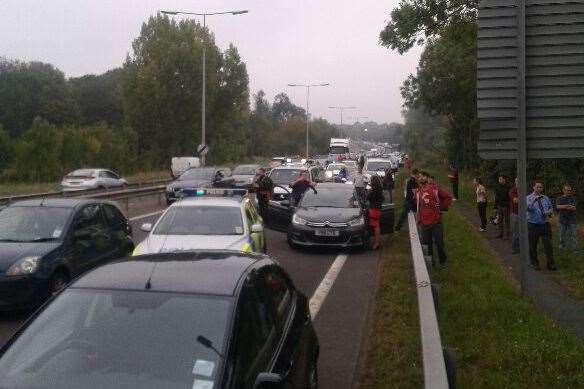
[
  {"x": 539, "y": 211},
  {"x": 566, "y": 206}
]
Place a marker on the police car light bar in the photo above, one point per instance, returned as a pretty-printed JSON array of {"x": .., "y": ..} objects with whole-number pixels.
[{"x": 211, "y": 192}]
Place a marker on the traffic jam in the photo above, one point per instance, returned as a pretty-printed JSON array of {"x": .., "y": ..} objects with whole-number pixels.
[{"x": 199, "y": 302}]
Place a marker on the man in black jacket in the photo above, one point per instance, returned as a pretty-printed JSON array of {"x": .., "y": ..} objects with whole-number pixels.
[
  {"x": 409, "y": 198},
  {"x": 502, "y": 204}
]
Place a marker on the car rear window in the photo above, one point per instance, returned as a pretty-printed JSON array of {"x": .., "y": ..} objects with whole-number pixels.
[{"x": 86, "y": 173}]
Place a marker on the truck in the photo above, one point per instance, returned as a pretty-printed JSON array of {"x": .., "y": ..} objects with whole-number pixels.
[
  {"x": 179, "y": 165},
  {"x": 339, "y": 147}
]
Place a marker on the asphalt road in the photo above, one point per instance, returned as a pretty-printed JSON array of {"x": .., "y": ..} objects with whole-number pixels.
[{"x": 341, "y": 320}]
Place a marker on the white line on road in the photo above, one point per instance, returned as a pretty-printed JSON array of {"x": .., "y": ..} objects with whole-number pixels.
[
  {"x": 145, "y": 215},
  {"x": 326, "y": 284}
]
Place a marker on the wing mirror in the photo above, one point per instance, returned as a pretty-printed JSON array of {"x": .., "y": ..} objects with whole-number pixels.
[
  {"x": 268, "y": 381},
  {"x": 146, "y": 227},
  {"x": 257, "y": 228}
]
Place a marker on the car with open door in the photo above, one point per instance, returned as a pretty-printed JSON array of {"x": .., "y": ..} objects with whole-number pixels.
[
  {"x": 199, "y": 178},
  {"x": 204, "y": 319},
  {"x": 282, "y": 176}
]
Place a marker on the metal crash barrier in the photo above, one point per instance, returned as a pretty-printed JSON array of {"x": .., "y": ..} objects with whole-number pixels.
[{"x": 438, "y": 362}]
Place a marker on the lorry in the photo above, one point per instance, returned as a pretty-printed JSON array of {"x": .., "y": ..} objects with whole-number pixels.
[
  {"x": 179, "y": 165},
  {"x": 339, "y": 147}
]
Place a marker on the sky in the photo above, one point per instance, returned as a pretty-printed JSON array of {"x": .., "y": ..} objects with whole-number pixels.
[{"x": 281, "y": 41}]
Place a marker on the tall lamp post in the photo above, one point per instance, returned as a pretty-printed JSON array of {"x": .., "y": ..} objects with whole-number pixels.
[
  {"x": 308, "y": 86},
  {"x": 341, "y": 109},
  {"x": 204, "y": 77}
]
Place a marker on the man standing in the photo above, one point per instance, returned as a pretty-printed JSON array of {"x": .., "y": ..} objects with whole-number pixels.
[
  {"x": 300, "y": 186},
  {"x": 502, "y": 205},
  {"x": 409, "y": 198},
  {"x": 264, "y": 188},
  {"x": 431, "y": 200},
  {"x": 453, "y": 177},
  {"x": 389, "y": 182},
  {"x": 539, "y": 210},
  {"x": 514, "y": 202},
  {"x": 359, "y": 183},
  {"x": 566, "y": 206}
]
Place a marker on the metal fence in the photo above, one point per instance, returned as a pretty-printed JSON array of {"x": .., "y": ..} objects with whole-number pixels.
[{"x": 436, "y": 367}]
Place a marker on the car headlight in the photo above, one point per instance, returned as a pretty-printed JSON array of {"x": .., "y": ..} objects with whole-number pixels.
[
  {"x": 298, "y": 220},
  {"x": 357, "y": 222},
  {"x": 26, "y": 265},
  {"x": 329, "y": 174}
]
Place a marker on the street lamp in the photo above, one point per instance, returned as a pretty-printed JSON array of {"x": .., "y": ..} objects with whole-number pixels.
[
  {"x": 308, "y": 86},
  {"x": 341, "y": 109},
  {"x": 204, "y": 77}
]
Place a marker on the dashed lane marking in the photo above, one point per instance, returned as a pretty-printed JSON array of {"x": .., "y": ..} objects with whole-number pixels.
[{"x": 326, "y": 284}]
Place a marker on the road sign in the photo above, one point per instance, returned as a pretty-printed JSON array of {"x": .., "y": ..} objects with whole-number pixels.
[{"x": 203, "y": 149}]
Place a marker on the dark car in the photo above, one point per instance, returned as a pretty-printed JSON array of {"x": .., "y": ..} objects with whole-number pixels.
[
  {"x": 207, "y": 319},
  {"x": 243, "y": 175},
  {"x": 332, "y": 217},
  {"x": 282, "y": 177},
  {"x": 204, "y": 177},
  {"x": 46, "y": 243}
]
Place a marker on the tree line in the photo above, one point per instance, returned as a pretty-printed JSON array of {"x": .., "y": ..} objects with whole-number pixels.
[
  {"x": 440, "y": 97},
  {"x": 138, "y": 116}
]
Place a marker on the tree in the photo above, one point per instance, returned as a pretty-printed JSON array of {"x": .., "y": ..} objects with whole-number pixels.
[
  {"x": 37, "y": 153},
  {"x": 30, "y": 90}
]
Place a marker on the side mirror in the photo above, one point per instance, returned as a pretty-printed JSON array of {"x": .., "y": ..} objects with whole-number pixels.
[
  {"x": 268, "y": 381},
  {"x": 146, "y": 227},
  {"x": 257, "y": 228}
]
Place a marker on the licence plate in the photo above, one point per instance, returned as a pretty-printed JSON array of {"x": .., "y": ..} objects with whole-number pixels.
[{"x": 326, "y": 232}]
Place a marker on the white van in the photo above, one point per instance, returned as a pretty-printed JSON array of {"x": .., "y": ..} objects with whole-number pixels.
[{"x": 179, "y": 165}]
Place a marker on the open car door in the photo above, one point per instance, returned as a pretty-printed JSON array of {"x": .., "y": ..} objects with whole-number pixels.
[
  {"x": 279, "y": 213},
  {"x": 387, "y": 220}
]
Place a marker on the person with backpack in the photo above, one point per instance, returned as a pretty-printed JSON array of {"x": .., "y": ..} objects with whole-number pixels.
[
  {"x": 481, "y": 193},
  {"x": 409, "y": 198},
  {"x": 539, "y": 211},
  {"x": 431, "y": 201}
]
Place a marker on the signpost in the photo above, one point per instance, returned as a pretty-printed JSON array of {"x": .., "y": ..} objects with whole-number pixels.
[
  {"x": 202, "y": 150},
  {"x": 530, "y": 87}
]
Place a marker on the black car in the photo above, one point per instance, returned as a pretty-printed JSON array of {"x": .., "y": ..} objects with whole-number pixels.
[
  {"x": 332, "y": 217},
  {"x": 243, "y": 175},
  {"x": 46, "y": 243},
  {"x": 195, "y": 178},
  {"x": 282, "y": 176},
  {"x": 206, "y": 319}
]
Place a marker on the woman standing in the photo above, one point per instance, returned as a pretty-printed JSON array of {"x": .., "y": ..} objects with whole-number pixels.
[
  {"x": 375, "y": 199},
  {"x": 481, "y": 192}
]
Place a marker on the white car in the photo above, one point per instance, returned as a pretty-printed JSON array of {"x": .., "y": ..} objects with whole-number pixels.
[
  {"x": 84, "y": 179},
  {"x": 194, "y": 223},
  {"x": 378, "y": 166}
]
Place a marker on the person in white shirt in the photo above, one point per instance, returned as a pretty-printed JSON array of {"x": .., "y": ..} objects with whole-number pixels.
[{"x": 359, "y": 183}]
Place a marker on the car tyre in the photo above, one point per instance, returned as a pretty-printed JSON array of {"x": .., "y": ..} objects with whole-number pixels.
[{"x": 58, "y": 282}]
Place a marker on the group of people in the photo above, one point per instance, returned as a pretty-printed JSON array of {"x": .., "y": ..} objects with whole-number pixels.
[{"x": 540, "y": 211}]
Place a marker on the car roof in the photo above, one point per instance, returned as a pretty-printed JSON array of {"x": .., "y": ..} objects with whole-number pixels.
[
  {"x": 333, "y": 186},
  {"x": 216, "y": 272},
  {"x": 378, "y": 160},
  {"x": 59, "y": 202},
  {"x": 233, "y": 201}
]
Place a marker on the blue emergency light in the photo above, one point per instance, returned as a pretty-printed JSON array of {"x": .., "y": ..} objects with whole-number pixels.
[{"x": 212, "y": 192}]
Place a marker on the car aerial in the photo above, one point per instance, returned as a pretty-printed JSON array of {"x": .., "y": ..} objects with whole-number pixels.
[
  {"x": 244, "y": 175},
  {"x": 206, "y": 221},
  {"x": 377, "y": 166},
  {"x": 204, "y": 177},
  {"x": 332, "y": 217},
  {"x": 85, "y": 179},
  {"x": 282, "y": 177},
  {"x": 205, "y": 319},
  {"x": 46, "y": 243}
]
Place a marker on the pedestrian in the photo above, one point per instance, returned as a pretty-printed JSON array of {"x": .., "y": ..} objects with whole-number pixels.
[
  {"x": 409, "y": 198},
  {"x": 359, "y": 183},
  {"x": 343, "y": 173},
  {"x": 408, "y": 163},
  {"x": 431, "y": 201},
  {"x": 566, "y": 206},
  {"x": 264, "y": 188},
  {"x": 389, "y": 182},
  {"x": 299, "y": 187},
  {"x": 514, "y": 202},
  {"x": 453, "y": 177},
  {"x": 502, "y": 206},
  {"x": 539, "y": 211},
  {"x": 481, "y": 193},
  {"x": 375, "y": 199}
]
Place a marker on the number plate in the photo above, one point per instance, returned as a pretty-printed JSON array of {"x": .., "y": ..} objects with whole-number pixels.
[{"x": 326, "y": 232}]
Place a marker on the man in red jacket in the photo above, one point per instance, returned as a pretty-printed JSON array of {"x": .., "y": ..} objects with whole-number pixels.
[{"x": 432, "y": 201}]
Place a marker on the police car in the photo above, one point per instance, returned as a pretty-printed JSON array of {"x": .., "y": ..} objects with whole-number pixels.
[{"x": 206, "y": 219}]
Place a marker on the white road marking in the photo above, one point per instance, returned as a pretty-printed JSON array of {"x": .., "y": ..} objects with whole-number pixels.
[
  {"x": 145, "y": 215},
  {"x": 326, "y": 284}
]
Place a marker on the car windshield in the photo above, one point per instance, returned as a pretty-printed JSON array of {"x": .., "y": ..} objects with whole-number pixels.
[
  {"x": 284, "y": 176},
  {"x": 338, "y": 150},
  {"x": 245, "y": 170},
  {"x": 200, "y": 220},
  {"x": 330, "y": 198},
  {"x": 375, "y": 166},
  {"x": 29, "y": 224},
  {"x": 197, "y": 174},
  {"x": 89, "y": 339},
  {"x": 82, "y": 173}
]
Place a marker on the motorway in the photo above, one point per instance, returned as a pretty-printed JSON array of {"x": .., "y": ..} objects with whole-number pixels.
[{"x": 341, "y": 303}]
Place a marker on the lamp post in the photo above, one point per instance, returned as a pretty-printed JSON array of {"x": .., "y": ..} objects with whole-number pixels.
[
  {"x": 341, "y": 109},
  {"x": 308, "y": 86},
  {"x": 204, "y": 76}
]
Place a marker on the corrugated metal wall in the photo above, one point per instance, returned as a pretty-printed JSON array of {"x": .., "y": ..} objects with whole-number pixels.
[{"x": 554, "y": 78}]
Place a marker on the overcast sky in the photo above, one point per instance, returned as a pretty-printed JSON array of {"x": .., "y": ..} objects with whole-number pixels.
[{"x": 281, "y": 41}]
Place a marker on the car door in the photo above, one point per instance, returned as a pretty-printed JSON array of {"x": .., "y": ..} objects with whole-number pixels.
[
  {"x": 120, "y": 231},
  {"x": 88, "y": 241},
  {"x": 387, "y": 220},
  {"x": 257, "y": 238},
  {"x": 278, "y": 215},
  {"x": 113, "y": 179}
]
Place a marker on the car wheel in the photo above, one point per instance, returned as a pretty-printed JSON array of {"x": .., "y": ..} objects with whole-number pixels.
[{"x": 58, "y": 282}]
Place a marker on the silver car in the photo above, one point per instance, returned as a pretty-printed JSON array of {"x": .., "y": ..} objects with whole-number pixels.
[
  {"x": 84, "y": 179},
  {"x": 206, "y": 223}
]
